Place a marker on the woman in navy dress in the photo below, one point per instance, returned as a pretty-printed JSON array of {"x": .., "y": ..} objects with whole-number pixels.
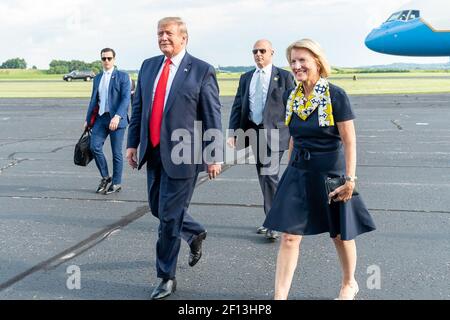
[{"x": 323, "y": 144}]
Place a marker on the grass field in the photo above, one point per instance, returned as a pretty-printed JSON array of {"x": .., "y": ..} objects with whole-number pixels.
[{"x": 38, "y": 84}]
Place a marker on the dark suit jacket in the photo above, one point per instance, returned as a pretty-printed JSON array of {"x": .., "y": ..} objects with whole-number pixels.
[
  {"x": 118, "y": 97},
  {"x": 193, "y": 96},
  {"x": 274, "y": 110}
]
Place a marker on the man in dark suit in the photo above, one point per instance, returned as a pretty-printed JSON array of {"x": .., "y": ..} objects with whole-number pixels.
[
  {"x": 258, "y": 105},
  {"x": 108, "y": 115},
  {"x": 173, "y": 92}
]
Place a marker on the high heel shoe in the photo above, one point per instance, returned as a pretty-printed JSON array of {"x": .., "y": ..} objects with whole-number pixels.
[{"x": 349, "y": 297}]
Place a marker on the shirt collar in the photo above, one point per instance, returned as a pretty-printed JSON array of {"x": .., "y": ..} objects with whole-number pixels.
[
  {"x": 176, "y": 60},
  {"x": 266, "y": 69},
  {"x": 109, "y": 72}
]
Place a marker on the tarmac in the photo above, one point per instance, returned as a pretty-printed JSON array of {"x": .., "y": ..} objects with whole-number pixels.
[{"x": 55, "y": 227}]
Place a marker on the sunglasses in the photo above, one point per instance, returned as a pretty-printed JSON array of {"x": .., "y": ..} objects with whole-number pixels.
[
  {"x": 255, "y": 51},
  {"x": 107, "y": 58}
]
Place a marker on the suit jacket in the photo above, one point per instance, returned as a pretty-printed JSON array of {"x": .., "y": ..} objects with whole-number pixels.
[
  {"x": 118, "y": 98},
  {"x": 274, "y": 110},
  {"x": 193, "y": 96}
]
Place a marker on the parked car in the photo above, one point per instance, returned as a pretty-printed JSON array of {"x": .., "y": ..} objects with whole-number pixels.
[{"x": 85, "y": 75}]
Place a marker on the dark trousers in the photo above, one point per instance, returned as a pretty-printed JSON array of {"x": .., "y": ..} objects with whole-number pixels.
[
  {"x": 169, "y": 201},
  {"x": 100, "y": 132},
  {"x": 268, "y": 172}
]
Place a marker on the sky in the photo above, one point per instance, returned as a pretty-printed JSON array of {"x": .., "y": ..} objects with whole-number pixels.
[{"x": 220, "y": 32}]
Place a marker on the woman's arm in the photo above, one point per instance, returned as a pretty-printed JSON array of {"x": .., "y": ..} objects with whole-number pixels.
[{"x": 347, "y": 132}]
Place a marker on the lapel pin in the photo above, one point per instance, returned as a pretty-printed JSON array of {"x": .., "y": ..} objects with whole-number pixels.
[
  {"x": 275, "y": 79},
  {"x": 185, "y": 70}
]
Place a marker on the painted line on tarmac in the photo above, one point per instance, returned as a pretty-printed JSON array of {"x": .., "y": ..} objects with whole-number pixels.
[{"x": 205, "y": 204}]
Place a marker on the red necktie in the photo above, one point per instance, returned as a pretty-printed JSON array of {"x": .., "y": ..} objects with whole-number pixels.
[{"x": 158, "y": 105}]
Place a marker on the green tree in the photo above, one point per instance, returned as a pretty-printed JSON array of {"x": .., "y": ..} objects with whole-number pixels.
[
  {"x": 62, "y": 66},
  {"x": 96, "y": 66},
  {"x": 16, "y": 63}
]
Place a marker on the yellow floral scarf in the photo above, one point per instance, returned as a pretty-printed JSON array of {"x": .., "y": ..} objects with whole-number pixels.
[{"x": 319, "y": 98}]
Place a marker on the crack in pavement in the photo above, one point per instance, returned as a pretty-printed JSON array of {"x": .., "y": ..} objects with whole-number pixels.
[
  {"x": 79, "y": 248},
  {"x": 397, "y": 124},
  {"x": 15, "y": 162},
  {"x": 87, "y": 243}
]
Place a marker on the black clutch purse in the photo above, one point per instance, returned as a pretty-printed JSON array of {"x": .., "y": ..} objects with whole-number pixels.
[{"x": 332, "y": 184}]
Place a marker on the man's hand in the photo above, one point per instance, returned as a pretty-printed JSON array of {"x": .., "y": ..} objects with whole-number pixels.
[
  {"x": 114, "y": 123},
  {"x": 231, "y": 141},
  {"x": 214, "y": 170},
  {"x": 132, "y": 157}
]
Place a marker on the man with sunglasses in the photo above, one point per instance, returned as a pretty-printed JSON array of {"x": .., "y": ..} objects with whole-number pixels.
[
  {"x": 108, "y": 115},
  {"x": 258, "y": 105}
]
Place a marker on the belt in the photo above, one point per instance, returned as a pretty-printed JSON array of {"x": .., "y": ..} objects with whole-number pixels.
[
  {"x": 256, "y": 126},
  {"x": 306, "y": 153},
  {"x": 302, "y": 152}
]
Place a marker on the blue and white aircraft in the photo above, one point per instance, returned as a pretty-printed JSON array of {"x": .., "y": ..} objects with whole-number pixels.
[{"x": 420, "y": 28}]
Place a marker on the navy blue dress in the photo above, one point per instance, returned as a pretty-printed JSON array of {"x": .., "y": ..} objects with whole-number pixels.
[{"x": 301, "y": 204}]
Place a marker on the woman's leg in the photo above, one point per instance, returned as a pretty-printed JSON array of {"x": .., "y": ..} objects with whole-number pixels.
[
  {"x": 346, "y": 250},
  {"x": 286, "y": 264}
]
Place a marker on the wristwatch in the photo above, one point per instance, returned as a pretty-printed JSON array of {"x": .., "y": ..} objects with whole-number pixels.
[{"x": 351, "y": 178}]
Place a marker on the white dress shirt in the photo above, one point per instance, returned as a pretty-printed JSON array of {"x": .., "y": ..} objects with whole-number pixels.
[
  {"x": 173, "y": 68},
  {"x": 266, "y": 75},
  {"x": 103, "y": 91}
]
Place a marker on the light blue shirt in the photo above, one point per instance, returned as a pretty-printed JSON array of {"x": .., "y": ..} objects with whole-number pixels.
[
  {"x": 256, "y": 97},
  {"x": 103, "y": 91}
]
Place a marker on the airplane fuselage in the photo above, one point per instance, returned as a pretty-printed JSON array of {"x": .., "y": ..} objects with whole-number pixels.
[{"x": 412, "y": 38}]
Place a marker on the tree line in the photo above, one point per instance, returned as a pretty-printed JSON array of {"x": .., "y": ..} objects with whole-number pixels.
[
  {"x": 56, "y": 66},
  {"x": 15, "y": 63},
  {"x": 62, "y": 66}
]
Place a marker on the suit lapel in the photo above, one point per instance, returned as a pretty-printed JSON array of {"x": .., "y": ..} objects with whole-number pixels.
[
  {"x": 274, "y": 78},
  {"x": 97, "y": 81},
  {"x": 180, "y": 76},
  {"x": 112, "y": 81},
  {"x": 149, "y": 82},
  {"x": 247, "y": 89}
]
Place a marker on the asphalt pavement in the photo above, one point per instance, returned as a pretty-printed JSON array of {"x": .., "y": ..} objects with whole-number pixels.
[{"x": 54, "y": 226}]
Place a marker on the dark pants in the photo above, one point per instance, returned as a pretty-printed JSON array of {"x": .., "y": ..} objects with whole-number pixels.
[
  {"x": 100, "y": 132},
  {"x": 169, "y": 201},
  {"x": 268, "y": 171}
]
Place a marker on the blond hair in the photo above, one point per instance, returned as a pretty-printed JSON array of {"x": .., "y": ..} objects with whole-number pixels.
[
  {"x": 174, "y": 20},
  {"x": 316, "y": 51}
]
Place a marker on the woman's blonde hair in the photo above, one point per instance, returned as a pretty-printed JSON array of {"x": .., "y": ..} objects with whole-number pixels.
[{"x": 316, "y": 51}]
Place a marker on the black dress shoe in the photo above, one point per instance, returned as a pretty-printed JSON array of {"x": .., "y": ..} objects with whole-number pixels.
[
  {"x": 164, "y": 289},
  {"x": 113, "y": 188},
  {"x": 196, "y": 248},
  {"x": 103, "y": 184}
]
